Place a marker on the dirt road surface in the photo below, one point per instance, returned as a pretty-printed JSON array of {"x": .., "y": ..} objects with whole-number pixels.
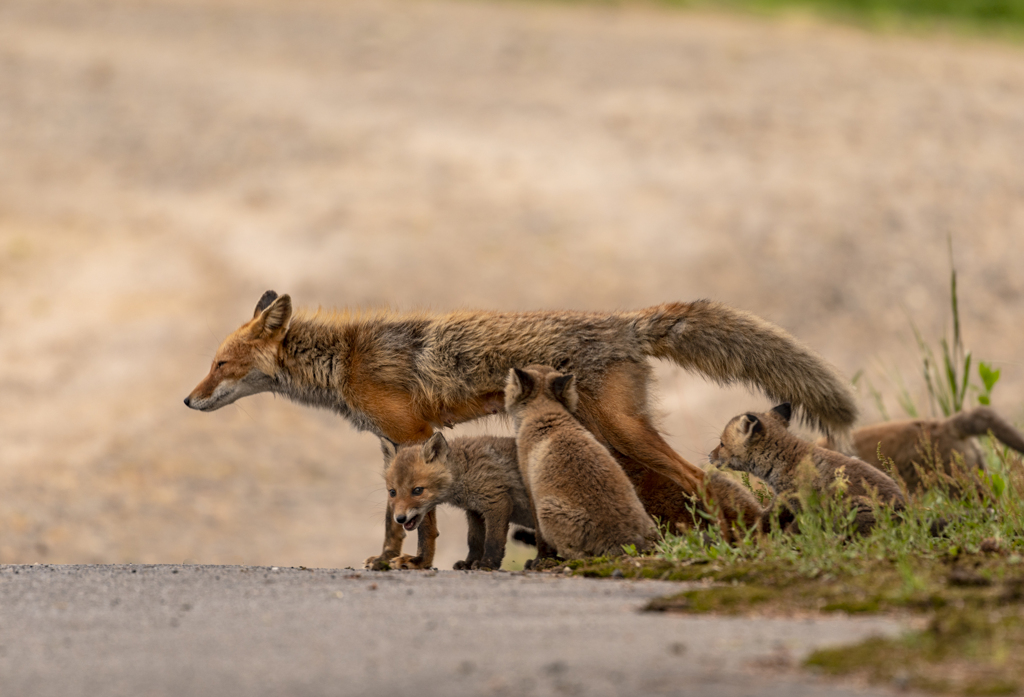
[
  {"x": 166, "y": 161},
  {"x": 261, "y": 632}
]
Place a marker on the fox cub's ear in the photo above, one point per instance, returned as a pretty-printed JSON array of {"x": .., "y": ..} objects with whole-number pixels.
[
  {"x": 273, "y": 321},
  {"x": 784, "y": 411},
  {"x": 436, "y": 448},
  {"x": 389, "y": 451},
  {"x": 563, "y": 388},
  {"x": 265, "y": 300},
  {"x": 519, "y": 384},
  {"x": 750, "y": 425}
]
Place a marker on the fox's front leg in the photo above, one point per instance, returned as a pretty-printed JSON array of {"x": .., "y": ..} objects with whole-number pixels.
[
  {"x": 394, "y": 535},
  {"x": 427, "y": 542}
]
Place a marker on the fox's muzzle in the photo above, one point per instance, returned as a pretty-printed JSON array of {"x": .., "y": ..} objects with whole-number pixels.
[{"x": 409, "y": 522}]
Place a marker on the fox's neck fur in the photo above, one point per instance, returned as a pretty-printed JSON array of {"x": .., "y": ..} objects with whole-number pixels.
[{"x": 313, "y": 368}]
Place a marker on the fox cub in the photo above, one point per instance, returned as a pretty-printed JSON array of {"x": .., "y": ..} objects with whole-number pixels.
[
  {"x": 933, "y": 443},
  {"x": 584, "y": 505},
  {"x": 762, "y": 445},
  {"x": 479, "y": 475}
]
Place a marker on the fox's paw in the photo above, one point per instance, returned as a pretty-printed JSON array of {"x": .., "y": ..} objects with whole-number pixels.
[
  {"x": 541, "y": 563},
  {"x": 484, "y": 565},
  {"x": 406, "y": 561},
  {"x": 462, "y": 566},
  {"x": 380, "y": 563}
]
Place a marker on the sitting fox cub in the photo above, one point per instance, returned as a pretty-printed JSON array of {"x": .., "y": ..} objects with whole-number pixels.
[
  {"x": 584, "y": 504},
  {"x": 479, "y": 475},
  {"x": 762, "y": 445}
]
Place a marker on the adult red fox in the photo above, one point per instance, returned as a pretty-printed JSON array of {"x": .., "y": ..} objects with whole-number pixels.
[{"x": 400, "y": 376}]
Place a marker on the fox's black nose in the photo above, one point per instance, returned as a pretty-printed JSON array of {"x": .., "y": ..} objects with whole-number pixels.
[
  {"x": 188, "y": 402},
  {"x": 399, "y": 518}
]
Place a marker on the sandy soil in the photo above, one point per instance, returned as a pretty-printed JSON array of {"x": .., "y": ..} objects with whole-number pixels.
[{"x": 165, "y": 162}]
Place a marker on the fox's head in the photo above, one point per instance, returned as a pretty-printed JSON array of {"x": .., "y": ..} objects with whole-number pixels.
[
  {"x": 247, "y": 361},
  {"x": 748, "y": 440},
  {"x": 417, "y": 478},
  {"x": 538, "y": 383}
]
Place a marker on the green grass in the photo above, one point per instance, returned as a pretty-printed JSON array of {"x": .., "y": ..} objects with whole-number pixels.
[
  {"x": 966, "y": 578},
  {"x": 987, "y": 17}
]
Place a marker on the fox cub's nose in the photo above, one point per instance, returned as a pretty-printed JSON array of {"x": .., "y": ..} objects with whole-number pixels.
[
  {"x": 400, "y": 518},
  {"x": 188, "y": 401}
]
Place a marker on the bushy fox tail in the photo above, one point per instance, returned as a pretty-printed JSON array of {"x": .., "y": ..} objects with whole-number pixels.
[
  {"x": 728, "y": 345},
  {"x": 981, "y": 421}
]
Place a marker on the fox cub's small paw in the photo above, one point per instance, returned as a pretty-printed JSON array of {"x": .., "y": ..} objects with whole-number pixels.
[
  {"x": 484, "y": 565},
  {"x": 380, "y": 563},
  {"x": 461, "y": 566},
  {"x": 406, "y": 561}
]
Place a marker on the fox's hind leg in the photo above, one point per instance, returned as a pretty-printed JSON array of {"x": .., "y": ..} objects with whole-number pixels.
[
  {"x": 475, "y": 538},
  {"x": 617, "y": 413},
  {"x": 496, "y": 521}
]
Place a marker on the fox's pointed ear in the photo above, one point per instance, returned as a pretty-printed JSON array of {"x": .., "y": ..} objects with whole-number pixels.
[
  {"x": 563, "y": 388},
  {"x": 750, "y": 425},
  {"x": 389, "y": 451},
  {"x": 274, "y": 320},
  {"x": 784, "y": 411},
  {"x": 265, "y": 300},
  {"x": 436, "y": 448},
  {"x": 519, "y": 383}
]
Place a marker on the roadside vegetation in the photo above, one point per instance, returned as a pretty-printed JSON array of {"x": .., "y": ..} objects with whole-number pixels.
[
  {"x": 1000, "y": 17},
  {"x": 954, "y": 557}
]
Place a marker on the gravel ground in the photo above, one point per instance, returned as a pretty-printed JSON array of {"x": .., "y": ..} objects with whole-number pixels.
[{"x": 267, "y": 631}]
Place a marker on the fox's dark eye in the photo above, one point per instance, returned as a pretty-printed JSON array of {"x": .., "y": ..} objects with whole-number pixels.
[
  {"x": 221, "y": 364},
  {"x": 393, "y": 493},
  {"x": 417, "y": 491}
]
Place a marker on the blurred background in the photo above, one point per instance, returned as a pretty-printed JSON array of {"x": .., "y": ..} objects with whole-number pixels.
[{"x": 163, "y": 162}]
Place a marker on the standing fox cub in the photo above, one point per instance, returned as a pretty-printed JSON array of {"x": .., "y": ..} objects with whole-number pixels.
[
  {"x": 402, "y": 376},
  {"x": 933, "y": 443},
  {"x": 583, "y": 503},
  {"x": 479, "y": 475},
  {"x": 762, "y": 445}
]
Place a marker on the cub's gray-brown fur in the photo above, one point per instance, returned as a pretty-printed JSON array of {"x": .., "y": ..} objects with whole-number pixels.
[
  {"x": 762, "y": 445},
  {"x": 479, "y": 475},
  {"x": 584, "y": 505}
]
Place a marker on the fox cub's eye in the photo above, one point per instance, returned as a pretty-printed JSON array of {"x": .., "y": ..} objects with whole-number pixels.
[
  {"x": 392, "y": 492},
  {"x": 221, "y": 364},
  {"x": 417, "y": 491}
]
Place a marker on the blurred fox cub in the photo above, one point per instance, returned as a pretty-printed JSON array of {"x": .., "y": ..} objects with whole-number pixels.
[
  {"x": 762, "y": 445},
  {"x": 583, "y": 503},
  {"x": 479, "y": 475},
  {"x": 931, "y": 444}
]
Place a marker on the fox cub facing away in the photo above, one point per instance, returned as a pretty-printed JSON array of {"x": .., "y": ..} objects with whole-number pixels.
[
  {"x": 762, "y": 445},
  {"x": 932, "y": 443},
  {"x": 583, "y": 503},
  {"x": 479, "y": 475}
]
